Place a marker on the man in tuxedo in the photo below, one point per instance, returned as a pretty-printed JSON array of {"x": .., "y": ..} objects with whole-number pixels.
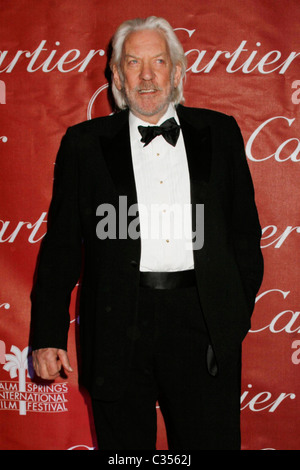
[{"x": 162, "y": 318}]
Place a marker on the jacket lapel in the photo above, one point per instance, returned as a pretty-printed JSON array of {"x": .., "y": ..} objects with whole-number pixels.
[
  {"x": 115, "y": 144},
  {"x": 197, "y": 140}
]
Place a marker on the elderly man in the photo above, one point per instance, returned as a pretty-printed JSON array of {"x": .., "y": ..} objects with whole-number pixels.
[{"x": 162, "y": 315}]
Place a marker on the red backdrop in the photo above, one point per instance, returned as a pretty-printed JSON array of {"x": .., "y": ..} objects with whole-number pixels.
[{"x": 243, "y": 60}]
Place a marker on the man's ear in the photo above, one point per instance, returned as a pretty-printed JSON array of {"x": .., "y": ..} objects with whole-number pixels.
[
  {"x": 177, "y": 75},
  {"x": 117, "y": 78}
]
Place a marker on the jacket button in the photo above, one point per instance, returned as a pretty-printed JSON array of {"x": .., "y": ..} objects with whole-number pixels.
[{"x": 133, "y": 264}]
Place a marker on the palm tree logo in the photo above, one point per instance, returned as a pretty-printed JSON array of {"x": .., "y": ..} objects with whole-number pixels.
[{"x": 17, "y": 364}]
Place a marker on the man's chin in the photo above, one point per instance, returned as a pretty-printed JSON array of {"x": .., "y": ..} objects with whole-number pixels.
[{"x": 150, "y": 111}]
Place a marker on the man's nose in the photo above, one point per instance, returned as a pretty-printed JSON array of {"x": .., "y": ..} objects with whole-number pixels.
[{"x": 147, "y": 72}]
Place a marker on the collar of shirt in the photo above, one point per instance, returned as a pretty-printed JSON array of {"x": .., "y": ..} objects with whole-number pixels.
[{"x": 134, "y": 122}]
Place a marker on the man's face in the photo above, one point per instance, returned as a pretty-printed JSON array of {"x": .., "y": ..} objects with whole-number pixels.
[{"x": 149, "y": 78}]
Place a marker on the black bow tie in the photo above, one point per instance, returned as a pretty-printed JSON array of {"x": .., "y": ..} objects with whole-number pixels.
[{"x": 168, "y": 129}]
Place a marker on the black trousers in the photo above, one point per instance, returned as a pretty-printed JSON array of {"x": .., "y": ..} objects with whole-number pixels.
[{"x": 201, "y": 412}]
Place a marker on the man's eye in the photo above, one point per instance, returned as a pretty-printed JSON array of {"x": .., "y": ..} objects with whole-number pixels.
[{"x": 132, "y": 62}]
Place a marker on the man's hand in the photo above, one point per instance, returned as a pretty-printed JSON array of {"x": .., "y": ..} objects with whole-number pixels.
[{"x": 48, "y": 362}]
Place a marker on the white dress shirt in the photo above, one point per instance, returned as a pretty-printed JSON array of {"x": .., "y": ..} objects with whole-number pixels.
[{"x": 163, "y": 194}]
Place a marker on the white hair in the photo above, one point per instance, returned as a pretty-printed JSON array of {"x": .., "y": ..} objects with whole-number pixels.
[{"x": 175, "y": 49}]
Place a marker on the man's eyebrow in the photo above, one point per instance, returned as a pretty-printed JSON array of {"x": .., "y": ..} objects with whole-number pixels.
[
  {"x": 162, "y": 54},
  {"x": 132, "y": 55}
]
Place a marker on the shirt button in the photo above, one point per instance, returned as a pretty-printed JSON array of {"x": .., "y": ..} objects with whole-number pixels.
[
  {"x": 167, "y": 241},
  {"x": 161, "y": 182}
]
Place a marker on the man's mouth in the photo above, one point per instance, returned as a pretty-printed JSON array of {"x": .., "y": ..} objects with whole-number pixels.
[
  {"x": 147, "y": 89},
  {"x": 151, "y": 90}
]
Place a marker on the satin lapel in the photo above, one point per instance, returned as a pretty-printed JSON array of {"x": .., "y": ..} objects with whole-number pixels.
[
  {"x": 198, "y": 149},
  {"x": 117, "y": 154},
  {"x": 197, "y": 142}
]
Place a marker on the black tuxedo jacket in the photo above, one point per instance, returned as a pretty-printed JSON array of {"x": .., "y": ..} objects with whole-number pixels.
[{"x": 94, "y": 167}]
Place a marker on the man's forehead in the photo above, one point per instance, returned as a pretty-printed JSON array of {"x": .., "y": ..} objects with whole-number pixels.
[{"x": 150, "y": 39}]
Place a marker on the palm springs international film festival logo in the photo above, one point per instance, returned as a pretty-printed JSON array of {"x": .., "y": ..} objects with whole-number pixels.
[{"x": 21, "y": 394}]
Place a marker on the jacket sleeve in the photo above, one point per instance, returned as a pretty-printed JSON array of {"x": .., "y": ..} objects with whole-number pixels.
[
  {"x": 245, "y": 221},
  {"x": 59, "y": 262}
]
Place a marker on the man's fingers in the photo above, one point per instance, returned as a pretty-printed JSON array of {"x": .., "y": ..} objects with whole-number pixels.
[
  {"x": 53, "y": 368},
  {"x": 63, "y": 356},
  {"x": 48, "y": 362},
  {"x": 45, "y": 363}
]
